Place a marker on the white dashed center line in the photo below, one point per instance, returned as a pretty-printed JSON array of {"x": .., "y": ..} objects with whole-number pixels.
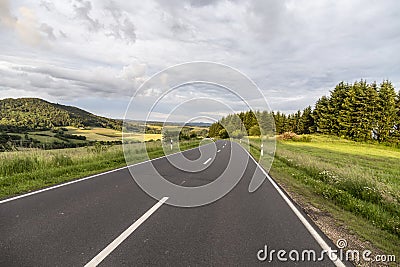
[{"x": 207, "y": 161}]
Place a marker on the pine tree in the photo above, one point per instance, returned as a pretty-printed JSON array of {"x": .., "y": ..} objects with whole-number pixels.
[
  {"x": 295, "y": 124},
  {"x": 359, "y": 129},
  {"x": 306, "y": 121},
  {"x": 386, "y": 111},
  {"x": 338, "y": 109},
  {"x": 279, "y": 122},
  {"x": 322, "y": 116},
  {"x": 398, "y": 114},
  {"x": 370, "y": 117},
  {"x": 267, "y": 123}
]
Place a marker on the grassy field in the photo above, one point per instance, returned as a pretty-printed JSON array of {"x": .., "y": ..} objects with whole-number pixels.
[
  {"x": 104, "y": 134},
  {"x": 24, "y": 171},
  {"x": 44, "y": 137},
  {"x": 359, "y": 184},
  {"x": 91, "y": 134},
  {"x": 70, "y": 136}
]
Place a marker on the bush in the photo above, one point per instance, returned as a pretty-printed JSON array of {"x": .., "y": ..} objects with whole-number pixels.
[
  {"x": 237, "y": 134},
  {"x": 287, "y": 136},
  {"x": 255, "y": 130},
  {"x": 294, "y": 137},
  {"x": 223, "y": 134},
  {"x": 98, "y": 148}
]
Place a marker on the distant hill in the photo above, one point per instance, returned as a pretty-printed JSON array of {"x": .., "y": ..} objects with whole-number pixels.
[
  {"x": 24, "y": 114},
  {"x": 160, "y": 123}
]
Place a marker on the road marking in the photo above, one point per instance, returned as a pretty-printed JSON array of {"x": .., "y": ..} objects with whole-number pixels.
[
  {"x": 207, "y": 161},
  {"x": 219, "y": 150},
  {"x": 86, "y": 178},
  {"x": 114, "y": 244},
  {"x": 304, "y": 221},
  {"x": 182, "y": 182}
]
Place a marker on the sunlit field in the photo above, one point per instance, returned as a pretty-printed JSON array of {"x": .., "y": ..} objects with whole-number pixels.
[
  {"x": 105, "y": 134},
  {"x": 358, "y": 178},
  {"x": 23, "y": 171}
]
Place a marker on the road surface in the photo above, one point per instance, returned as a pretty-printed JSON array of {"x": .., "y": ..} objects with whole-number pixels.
[{"x": 108, "y": 220}]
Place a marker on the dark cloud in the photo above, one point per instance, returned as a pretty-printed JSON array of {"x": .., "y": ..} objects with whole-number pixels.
[
  {"x": 48, "y": 30},
  {"x": 62, "y": 34},
  {"x": 49, "y": 6},
  {"x": 82, "y": 9},
  {"x": 122, "y": 27}
]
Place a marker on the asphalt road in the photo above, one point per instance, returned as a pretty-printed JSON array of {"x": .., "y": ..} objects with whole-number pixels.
[{"x": 109, "y": 220}]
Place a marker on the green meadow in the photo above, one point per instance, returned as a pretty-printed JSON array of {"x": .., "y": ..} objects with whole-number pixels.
[
  {"x": 31, "y": 169},
  {"x": 358, "y": 183}
]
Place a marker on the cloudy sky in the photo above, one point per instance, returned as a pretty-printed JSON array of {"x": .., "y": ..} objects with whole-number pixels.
[{"x": 96, "y": 54}]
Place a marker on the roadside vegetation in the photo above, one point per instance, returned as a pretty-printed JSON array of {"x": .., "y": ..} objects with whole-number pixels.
[
  {"x": 27, "y": 170},
  {"x": 359, "y": 111},
  {"x": 357, "y": 183}
]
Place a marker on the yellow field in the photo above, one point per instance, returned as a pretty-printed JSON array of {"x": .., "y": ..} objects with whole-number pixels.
[
  {"x": 96, "y": 134},
  {"x": 103, "y": 134},
  {"x": 139, "y": 137}
]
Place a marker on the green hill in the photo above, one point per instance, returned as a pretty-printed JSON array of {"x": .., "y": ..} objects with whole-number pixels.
[{"x": 26, "y": 114}]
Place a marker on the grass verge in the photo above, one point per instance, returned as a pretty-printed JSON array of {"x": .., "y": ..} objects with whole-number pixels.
[
  {"x": 357, "y": 184},
  {"x": 25, "y": 171}
]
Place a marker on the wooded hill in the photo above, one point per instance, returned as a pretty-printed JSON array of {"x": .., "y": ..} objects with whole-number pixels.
[
  {"x": 358, "y": 111},
  {"x": 27, "y": 114}
]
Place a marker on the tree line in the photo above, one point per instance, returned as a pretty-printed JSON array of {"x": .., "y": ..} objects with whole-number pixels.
[{"x": 359, "y": 111}]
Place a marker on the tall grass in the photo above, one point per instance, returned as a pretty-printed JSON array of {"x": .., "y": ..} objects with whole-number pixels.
[
  {"x": 27, "y": 170},
  {"x": 36, "y": 159}
]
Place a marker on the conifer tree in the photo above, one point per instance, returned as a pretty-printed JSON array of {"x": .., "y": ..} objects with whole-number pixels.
[
  {"x": 337, "y": 109},
  {"x": 322, "y": 116},
  {"x": 306, "y": 122},
  {"x": 386, "y": 111}
]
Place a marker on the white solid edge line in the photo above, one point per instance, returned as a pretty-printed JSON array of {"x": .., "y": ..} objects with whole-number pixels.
[
  {"x": 207, "y": 161},
  {"x": 114, "y": 244},
  {"x": 86, "y": 178},
  {"x": 308, "y": 226}
]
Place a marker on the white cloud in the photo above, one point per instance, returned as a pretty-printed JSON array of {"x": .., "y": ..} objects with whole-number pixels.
[
  {"x": 25, "y": 25},
  {"x": 71, "y": 83},
  {"x": 296, "y": 50}
]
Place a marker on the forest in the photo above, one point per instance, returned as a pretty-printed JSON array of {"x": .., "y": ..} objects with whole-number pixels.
[
  {"x": 34, "y": 114},
  {"x": 360, "y": 111},
  {"x": 36, "y": 123}
]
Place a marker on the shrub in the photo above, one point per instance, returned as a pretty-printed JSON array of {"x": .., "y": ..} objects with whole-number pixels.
[
  {"x": 287, "y": 136},
  {"x": 303, "y": 138}
]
